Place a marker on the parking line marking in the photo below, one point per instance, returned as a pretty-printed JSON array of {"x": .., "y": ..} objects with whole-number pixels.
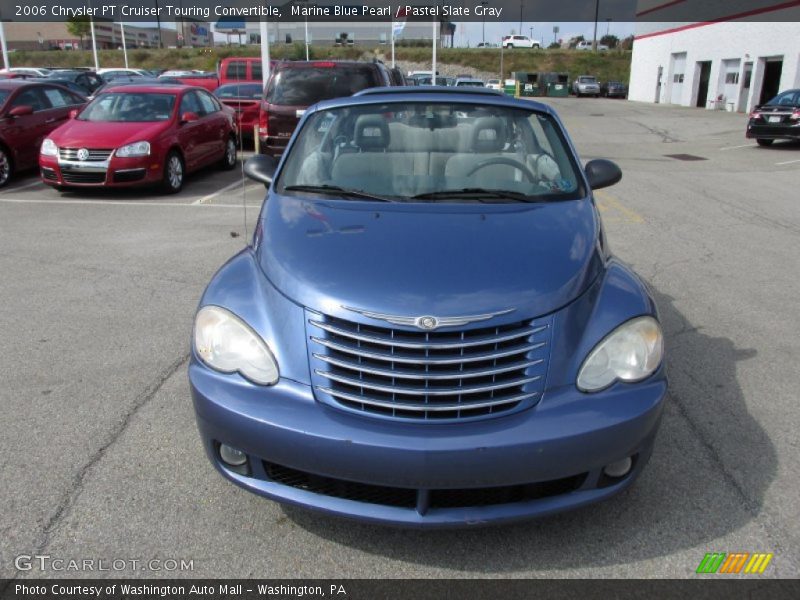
[
  {"x": 209, "y": 197},
  {"x": 735, "y": 147},
  {"x": 25, "y": 187},
  {"x": 116, "y": 203},
  {"x": 788, "y": 162},
  {"x": 607, "y": 202}
]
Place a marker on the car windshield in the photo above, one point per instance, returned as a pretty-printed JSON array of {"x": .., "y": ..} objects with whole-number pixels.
[
  {"x": 129, "y": 107},
  {"x": 791, "y": 98},
  {"x": 239, "y": 90},
  {"x": 304, "y": 86},
  {"x": 432, "y": 152},
  {"x": 587, "y": 80},
  {"x": 3, "y": 96}
]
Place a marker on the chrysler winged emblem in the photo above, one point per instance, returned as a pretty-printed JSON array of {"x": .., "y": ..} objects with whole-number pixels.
[{"x": 428, "y": 322}]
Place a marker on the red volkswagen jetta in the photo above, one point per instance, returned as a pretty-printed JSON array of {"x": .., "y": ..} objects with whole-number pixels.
[{"x": 134, "y": 135}]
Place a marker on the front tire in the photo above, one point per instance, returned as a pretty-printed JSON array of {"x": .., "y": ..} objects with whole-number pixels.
[
  {"x": 173, "y": 173},
  {"x": 6, "y": 167},
  {"x": 764, "y": 143}
]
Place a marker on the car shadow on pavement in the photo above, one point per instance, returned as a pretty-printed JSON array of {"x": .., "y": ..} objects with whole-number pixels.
[{"x": 707, "y": 478}]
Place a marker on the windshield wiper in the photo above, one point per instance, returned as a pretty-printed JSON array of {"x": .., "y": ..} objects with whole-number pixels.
[
  {"x": 337, "y": 191},
  {"x": 478, "y": 193}
]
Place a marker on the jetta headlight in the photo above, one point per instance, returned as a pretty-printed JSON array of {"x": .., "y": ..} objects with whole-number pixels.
[
  {"x": 632, "y": 352},
  {"x": 49, "y": 148},
  {"x": 227, "y": 344},
  {"x": 135, "y": 149}
]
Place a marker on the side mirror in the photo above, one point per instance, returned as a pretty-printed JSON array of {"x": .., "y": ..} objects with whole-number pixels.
[
  {"x": 602, "y": 173},
  {"x": 189, "y": 117},
  {"x": 73, "y": 113},
  {"x": 21, "y": 111},
  {"x": 261, "y": 168}
]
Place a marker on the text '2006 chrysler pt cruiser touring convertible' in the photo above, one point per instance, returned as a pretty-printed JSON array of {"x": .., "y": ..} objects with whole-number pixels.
[{"x": 428, "y": 328}]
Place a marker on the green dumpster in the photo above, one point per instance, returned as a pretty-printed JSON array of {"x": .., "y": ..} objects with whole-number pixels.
[
  {"x": 557, "y": 84},
  {"x": 529, "y": 84}
]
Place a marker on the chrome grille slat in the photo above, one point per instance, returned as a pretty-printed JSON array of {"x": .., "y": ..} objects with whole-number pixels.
[
  {"x": 482, "y": 341},
  {"x": 452, "y": 360},
  {"x": 95, "y": 155},
  {"x": 447, "y": 374},
  {"x": 460, "y": 406},
  {"x": 423, "y": 391},
  {"x": 404, "y": 374}
]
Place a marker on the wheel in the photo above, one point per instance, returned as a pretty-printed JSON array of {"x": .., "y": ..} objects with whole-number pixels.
[
  {"x": 229, "y": 158},
  {"x": 535, "y": 46},
  {"x": 504, "y": 160},
  {"x": 761, "y": 142},
  {"x": 510, "y": 46},
  {"x": 6, "y": 167},
  {"x": 173, "y": 173}
]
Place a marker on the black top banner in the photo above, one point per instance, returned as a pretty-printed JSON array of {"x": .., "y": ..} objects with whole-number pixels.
[{"x": 238, "y": 12}]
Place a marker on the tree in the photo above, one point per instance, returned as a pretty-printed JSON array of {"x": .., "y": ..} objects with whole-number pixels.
[
  {"x": 78, "y": 26},
  {"x": 627, "y": 43},
  {"x": 573, "y": 42},
  {"x": 610, "y": 40}
]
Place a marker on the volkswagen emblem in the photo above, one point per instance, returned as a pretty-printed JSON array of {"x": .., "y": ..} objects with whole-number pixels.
[
  {"x": 427, "y": 323},
  {"x": 82, "y": 154}
]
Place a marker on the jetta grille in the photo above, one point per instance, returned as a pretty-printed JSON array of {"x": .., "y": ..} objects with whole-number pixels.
[
  {"x": 440, "y": 375},
  {"x": 95, "y": 155}
]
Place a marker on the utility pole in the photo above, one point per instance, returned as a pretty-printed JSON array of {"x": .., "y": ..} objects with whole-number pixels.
[
  {"x": 483, "y": 35},
  {"x": 596, "y": 15},
  {"x": 158, "y": 22}
]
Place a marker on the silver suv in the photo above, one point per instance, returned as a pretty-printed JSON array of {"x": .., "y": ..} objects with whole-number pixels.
[{"x": 586, "y": 85}]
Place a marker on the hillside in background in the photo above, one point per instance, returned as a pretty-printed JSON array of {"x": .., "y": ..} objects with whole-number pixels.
[{"x": 613, "y": 65}]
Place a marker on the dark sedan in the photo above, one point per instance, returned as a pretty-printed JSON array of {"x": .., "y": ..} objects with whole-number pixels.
[
  {"x": 29, "y": 111},
  {"x": 778, "y": 119},
  {"x": 88, "y": 81},
  {"x": 614, "y": 89}
]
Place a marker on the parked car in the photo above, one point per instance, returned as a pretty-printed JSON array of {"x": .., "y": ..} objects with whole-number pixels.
[
  {"x": 240, "y": 68},
  {"x": 294, "y": 86},
  {"x": 480, "y": 374},
  {"x": 587, "y": 45},
  {"x": 111, "y": 73},
  {"x": 73, "y": 87},
  {"x": 614, "y": 89},
  {"x": 29, "y": 112},
  {"x": 586, "y": 85},
  {"x": 126, "y": 80},
  {"x": 494, "y": 84},
  {"x": 26, "y": 72},
  {"x": 520, "y": 41},
  {"x": 138, "y": 135},
  {"x": 778, "y": 119},
  {"x": 487, "y": 45},
  {"x": 397, "y": 76},
  {"x": 468, "y": 82},
  {"x": 88, "y": 81},
  {"x": 209, "y": 81},
  {"x": 245, "y": 100}
]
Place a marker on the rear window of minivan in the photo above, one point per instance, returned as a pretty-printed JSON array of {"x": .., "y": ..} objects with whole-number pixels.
[{"x": 308, "y": 85}]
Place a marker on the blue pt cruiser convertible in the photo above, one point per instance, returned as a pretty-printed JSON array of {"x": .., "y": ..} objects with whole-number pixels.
[{"x": 429, "y": 328}]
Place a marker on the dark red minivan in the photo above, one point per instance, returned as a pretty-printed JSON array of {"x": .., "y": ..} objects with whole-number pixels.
[{"x": 296, "y": 85}]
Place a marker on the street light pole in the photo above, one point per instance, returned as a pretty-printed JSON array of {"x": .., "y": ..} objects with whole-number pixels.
[
  {"x": 483, "y": 35},
  {"x": 520, "y": 17},
  {"x": 596, "y": 14}
]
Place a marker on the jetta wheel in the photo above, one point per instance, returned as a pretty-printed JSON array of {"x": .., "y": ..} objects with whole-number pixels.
[
  {"x": 5, "y": 167},
  {"x": 229, "y": 158},
  {"x": 173, "y": 173}
]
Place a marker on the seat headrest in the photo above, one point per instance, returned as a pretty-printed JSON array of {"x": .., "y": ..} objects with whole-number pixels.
[
  {"x": 372, "y": 132},
  {"x": 488, "y": 135}
]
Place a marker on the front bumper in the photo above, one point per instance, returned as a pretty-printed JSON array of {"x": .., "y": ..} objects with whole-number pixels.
[
  {"x": 114, "y": 172},
  {"x": 782, "y": 131},
  {"x": 557, "y": 448}
]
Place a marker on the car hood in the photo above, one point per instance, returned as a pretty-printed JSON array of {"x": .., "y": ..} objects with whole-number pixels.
[
  {"x": 443, "y": 260},
  {"x": 95, "y": 134}
]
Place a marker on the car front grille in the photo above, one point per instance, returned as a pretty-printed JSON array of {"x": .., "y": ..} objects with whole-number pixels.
[
  {"x": 95, "y": 155},
  {"x": 422, "y": 500},
  {"x": 437, "y": 375},
  {"x": 83, "y": 176}
]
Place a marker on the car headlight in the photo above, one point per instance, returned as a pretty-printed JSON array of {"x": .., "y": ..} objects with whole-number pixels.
[
  {"x": 135, "y": 149},
  {"x": 227, "y": 344},
  {"x": 632, "y": 352},
  {"x": 49, "y": 148}
]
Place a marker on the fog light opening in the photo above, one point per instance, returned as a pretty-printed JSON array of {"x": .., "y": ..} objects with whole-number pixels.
[
  {"x": 618, "y": 469},
  {"x": 232, "y": 456}
]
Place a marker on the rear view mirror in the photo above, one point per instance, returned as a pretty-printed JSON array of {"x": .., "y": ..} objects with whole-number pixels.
[
  {"x": 21, "y": 111},
  {"x": 261, "y": 168},
  {"x": 602, "y": 173}
]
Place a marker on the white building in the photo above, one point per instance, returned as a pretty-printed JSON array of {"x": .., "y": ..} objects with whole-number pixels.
[{"x": 730, "y": 64}]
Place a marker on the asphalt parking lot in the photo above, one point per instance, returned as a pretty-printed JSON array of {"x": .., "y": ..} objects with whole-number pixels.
[{"x": 101, "y": 458}]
